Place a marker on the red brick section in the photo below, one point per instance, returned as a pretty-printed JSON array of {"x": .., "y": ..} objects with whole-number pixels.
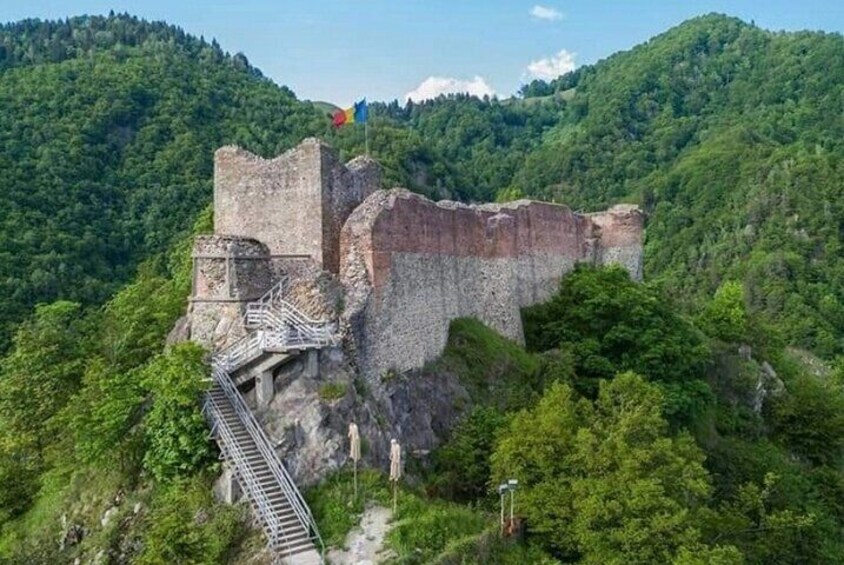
[{"x": 416, "y": 225}]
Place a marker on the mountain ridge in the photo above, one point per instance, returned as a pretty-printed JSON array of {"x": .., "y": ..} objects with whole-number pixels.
[{"x": 641, "y": 126}]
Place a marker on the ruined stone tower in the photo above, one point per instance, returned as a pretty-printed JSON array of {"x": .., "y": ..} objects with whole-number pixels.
[
  {"x": 272, "y": 218},
  {"x": 296, "y": 203}
]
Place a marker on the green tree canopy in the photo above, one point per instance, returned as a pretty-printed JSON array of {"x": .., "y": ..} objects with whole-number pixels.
[{"x": 604, "y": 481}]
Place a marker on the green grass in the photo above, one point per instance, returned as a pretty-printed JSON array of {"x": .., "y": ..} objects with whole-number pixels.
[
  {"x": 332, "y": 391},
  {"x": 494, "y": 369},
  {"x": 422, "y": 528},
  {"x": 82, "y": 496},
  {"x": 177, "y": 522},
  {"x": 335, "y": 507},
  {"x": 488, "y": 548}
]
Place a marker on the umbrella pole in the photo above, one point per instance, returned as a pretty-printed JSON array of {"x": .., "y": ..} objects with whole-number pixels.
[{"x": 356, "y": 478}]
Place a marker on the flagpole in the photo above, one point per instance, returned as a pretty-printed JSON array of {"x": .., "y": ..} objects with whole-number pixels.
[{"x": 366, "y": 134}]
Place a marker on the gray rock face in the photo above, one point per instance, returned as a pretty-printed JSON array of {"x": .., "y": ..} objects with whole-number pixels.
[
  {"x": 309, "y": 427},
  {"x": 180, "y": 332},
  {"x": 768, "y": 384},
  {"x": 308, "y": 418}
]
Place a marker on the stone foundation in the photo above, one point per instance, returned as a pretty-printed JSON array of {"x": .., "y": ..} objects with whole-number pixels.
[{"x": 228, "y": 272}]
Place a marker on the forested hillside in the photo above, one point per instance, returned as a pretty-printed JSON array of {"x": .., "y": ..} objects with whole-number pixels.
[
  {"x": 107, "y": 133},
  {"x": 730, "y": 136},
  {"x": 647, "y": 423}
]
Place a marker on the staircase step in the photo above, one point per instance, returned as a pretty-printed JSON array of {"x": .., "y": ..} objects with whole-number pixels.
[
  {"x": 291, "y": 521},
  {"x": 238, "y": 445},
  {"x": 309, "y": 556},
  {"x": 291, "y": 543},
  {"x": 290, "y": 554},
  {"x": 278, "y": 497},
  {"x": 294, "y": 538}
]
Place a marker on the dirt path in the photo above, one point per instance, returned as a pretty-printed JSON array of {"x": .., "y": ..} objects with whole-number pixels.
[{"x": 365, "y": 543}]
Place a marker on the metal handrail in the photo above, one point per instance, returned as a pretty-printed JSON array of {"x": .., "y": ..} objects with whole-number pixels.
[
  {"x": 231, "y": 449},
  {"x": 297, "y": 502},
  {"x": 276, "y": 290},
  {"x": 285, "y": 327},
  {"x": 279, "y": 325}
]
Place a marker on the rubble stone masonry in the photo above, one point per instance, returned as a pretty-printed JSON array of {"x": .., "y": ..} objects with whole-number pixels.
[
  {"x": 408, "y": 266},
  {"x": 411, "y": 265},
  {"x": 296, "y": 203}
]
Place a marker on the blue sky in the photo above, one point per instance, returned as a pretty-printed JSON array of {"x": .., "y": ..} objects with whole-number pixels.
[{"x": 342, "y": 50}]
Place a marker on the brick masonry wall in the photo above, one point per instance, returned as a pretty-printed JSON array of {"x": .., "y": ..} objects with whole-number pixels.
[
  {"x": 410, "y": 266},
  {"x": 621, "y": 230}
]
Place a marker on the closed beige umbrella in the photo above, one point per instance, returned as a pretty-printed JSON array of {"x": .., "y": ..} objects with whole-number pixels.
[
  {"x": 354, "y": 442},
  {"x": 395, "y": 469},
  {"x": 395, "y": 460},
  {"x": 354, "y": 451}
]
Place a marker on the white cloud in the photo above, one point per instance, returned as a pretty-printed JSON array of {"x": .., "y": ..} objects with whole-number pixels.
[
  {"x": 552, "y": 67},
  {"x": 432, "y": 87},
  {"x": 546, "y": 13}
]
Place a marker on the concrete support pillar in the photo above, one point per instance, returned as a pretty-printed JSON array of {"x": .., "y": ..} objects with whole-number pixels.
[
  {"x": 264, "y": 388},
  {"x": 229, "y": 488},
  {"x": 312, "y": 363}
]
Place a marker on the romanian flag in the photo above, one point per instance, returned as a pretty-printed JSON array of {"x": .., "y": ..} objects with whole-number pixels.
[{"x": 357, "y": 113}]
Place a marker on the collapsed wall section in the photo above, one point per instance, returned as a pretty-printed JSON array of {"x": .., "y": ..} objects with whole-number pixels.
[
  {"x": 411, "y": 266},
  {"x": 296, "y": 203},
  {"x": 621, "y": 230}
]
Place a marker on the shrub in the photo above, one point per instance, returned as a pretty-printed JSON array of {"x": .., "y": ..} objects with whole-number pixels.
[
  {"x": 332, "y": 391},
  {"x": 175, "y": 429},
  {"x": 462, "y": 464},
  {"x": 185, "y": 526}
]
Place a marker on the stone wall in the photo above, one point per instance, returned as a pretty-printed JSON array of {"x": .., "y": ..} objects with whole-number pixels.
[
  {"x": 407, "y": 265},
  {"x": 228, "y": 272},
  {"x": 410, "y": 266},
  {"x": 621, "y": 231},
  {"x": 295, "y": 203}
]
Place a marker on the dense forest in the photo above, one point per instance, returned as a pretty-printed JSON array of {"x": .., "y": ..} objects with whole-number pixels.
[
  {"x": 107, "y": 133},
  {"x": 697, "y": 418},
  {"x": 728, "y": 135}
]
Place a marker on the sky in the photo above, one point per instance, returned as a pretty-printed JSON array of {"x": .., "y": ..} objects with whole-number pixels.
[{"x": 343, "y": 50}]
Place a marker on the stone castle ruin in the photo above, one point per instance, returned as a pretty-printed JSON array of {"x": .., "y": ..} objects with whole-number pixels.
[
  {"x": 318, "y": 288},
  {"x": 391, "y": 267}
]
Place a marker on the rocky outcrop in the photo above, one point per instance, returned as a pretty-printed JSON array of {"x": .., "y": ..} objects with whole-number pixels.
[
  {"x": 768, "y": 384},
  {"x": 308, "y": 418}
]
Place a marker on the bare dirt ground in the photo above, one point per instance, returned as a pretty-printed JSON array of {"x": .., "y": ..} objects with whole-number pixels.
[{"x": 365, "y": 543}]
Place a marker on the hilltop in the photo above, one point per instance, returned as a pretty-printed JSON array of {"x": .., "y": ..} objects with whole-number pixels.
[{"x": 728, "y": 135}]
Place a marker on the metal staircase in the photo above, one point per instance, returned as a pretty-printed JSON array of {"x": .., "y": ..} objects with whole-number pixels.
[{"x": 277, "y": 327}]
